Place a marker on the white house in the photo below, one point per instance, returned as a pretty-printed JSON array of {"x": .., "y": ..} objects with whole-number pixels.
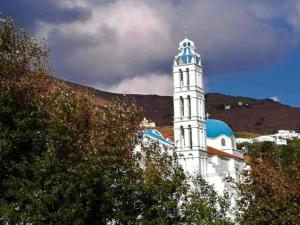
[
  {"x": 287, "y": 134},
  {"x": 271, "y": 138},
  {"x": 244, "y": 140},
  {"x": 279, "y": 138}
]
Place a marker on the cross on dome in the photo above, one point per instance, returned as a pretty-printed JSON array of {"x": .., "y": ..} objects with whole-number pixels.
[{"x": 207, "y": 116}]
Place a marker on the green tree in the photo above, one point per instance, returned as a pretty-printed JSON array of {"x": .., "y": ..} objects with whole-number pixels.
[
  {"x": 65, "y": 160},
  {"x": 205, "y": 206},
  {"x": 61, "y": 156},
  {"x": 163, "y": 186},
  {"x": 270, "y": 191}
]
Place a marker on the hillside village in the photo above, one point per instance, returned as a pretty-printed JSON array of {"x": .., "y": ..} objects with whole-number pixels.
[{"x": 279, "y": 138}]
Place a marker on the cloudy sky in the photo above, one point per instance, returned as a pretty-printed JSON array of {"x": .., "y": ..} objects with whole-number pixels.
[{"x": 248, "y": 48}]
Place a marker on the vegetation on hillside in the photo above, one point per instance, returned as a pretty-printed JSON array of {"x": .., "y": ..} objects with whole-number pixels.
[{"x": 246, "y": 135}]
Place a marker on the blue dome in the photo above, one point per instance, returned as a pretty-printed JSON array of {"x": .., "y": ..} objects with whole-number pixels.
[{"x": 215, "y": 128}]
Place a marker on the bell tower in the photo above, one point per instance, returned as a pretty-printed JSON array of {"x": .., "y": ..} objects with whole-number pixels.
[{"x": 189, "y": 109}]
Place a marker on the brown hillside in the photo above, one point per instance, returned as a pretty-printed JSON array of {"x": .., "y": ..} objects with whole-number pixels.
[{"x": 255, "y": 115}]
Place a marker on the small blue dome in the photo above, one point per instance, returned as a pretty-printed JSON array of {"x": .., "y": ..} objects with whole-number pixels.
[{"x": 215, "y": 128}]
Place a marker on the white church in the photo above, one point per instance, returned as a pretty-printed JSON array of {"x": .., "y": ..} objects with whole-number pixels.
[{"x": 205, "y": 146}]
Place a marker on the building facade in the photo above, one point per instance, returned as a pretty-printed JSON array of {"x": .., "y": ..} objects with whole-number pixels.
[{"x": 203, "y": 146}]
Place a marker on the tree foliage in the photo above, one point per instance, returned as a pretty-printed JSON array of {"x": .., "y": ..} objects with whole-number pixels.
[
  {"x": 205, "y": 206},
  {"x": 270, "y": 192},
  {"x": 64, "y": 160}
]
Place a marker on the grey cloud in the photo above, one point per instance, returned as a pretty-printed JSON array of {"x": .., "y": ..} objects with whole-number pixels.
[
  {"x": 231, "y": 36},
  {"x": 118, "y": 42},
  {"x": 27, "y": 12},
  {"x": 109, "y": 43}
]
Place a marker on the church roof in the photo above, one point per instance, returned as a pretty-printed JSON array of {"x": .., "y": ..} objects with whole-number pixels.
[
  {"x": 167, "y": 137},
  {"x": 215, "y": 128},
  {"x": 157, "y": 136},
  {"x": 213, "y": 151}
]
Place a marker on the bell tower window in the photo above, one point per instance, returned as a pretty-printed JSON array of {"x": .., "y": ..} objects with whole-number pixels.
[
  {"x": 191, "y": 137},
  {"x": 181, "y": 107},
  {"x": 181, "y": 77},
  {"x": 182, "y": 136},
  {"x": 189, "y": 107},
  {"x": 188, "y": 77}
]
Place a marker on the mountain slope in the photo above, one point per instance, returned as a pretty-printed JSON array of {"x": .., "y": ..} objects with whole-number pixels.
[{"x": 245, "y": 114}]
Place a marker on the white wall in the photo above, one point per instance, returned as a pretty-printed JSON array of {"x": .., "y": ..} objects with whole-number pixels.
[{"x": 217, "y": 143}]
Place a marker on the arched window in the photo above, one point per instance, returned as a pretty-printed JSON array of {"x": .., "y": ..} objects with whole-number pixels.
[
  {"x": 191, "y": 138},
  {"x": 188, "y": 77},
  {"x": 223, "y": 142},
  {"x": 181, "y": 77},
  {"x": 189, "y": 106},
  {"x": 181, "y": 107},
  {"x": 199, "y": 109},
  {"x": 182, "y": 136}
]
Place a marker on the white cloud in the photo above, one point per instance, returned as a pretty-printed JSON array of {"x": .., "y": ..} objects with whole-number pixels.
[{"x": 160, "y": 84}]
